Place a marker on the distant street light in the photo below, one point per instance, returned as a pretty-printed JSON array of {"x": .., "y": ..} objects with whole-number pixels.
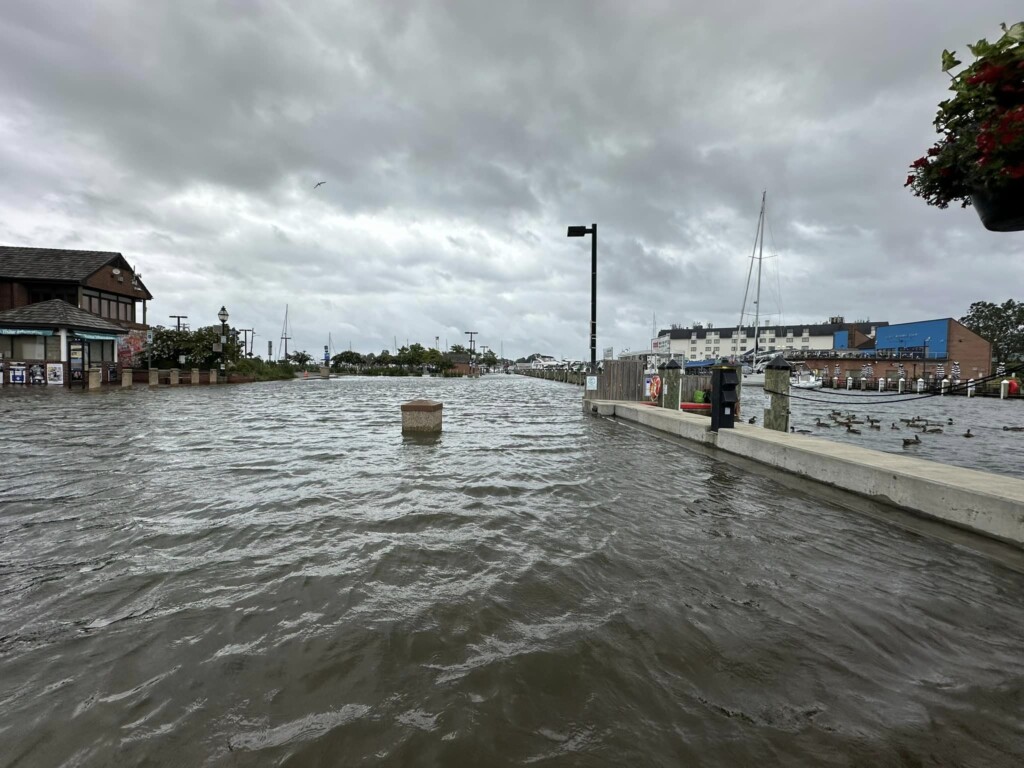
[
  {"x": 223, "y": 317},
  {"x": 582, "y": 232}
]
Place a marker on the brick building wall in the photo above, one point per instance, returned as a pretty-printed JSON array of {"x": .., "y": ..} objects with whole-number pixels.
[{"x": 12, "y": 295}]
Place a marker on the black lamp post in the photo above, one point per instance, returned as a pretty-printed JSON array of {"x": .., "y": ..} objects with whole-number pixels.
[
  {"x": 223, "y": 317},
  {"x": 581, "y": 232}
]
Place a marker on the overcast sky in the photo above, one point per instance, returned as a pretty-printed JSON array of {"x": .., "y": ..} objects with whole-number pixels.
[{"x": 459, "y": 139}]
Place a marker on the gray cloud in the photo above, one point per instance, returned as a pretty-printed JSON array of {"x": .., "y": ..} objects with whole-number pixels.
[{"x": 459, "y": 139}]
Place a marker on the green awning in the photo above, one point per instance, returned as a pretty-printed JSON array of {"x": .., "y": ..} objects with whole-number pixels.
[
  {"x": 24, "y": 332},
  {"x": 94, "y": 336}
]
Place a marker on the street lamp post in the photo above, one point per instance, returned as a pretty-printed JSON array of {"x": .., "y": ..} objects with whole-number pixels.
[
  {"x": 581, "y": 232},
  {"x": 223, "y": 317}
]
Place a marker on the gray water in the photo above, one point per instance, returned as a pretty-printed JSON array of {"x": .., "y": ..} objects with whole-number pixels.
[
  {"x": 990, "y": 449},
  {"x": 272, "y": 575}
]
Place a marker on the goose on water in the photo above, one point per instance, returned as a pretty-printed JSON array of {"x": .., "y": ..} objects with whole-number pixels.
[
  {"x": 800, "y": 431},
  {"x": 822, "y": 424},
  {"x": 968, "y": 433},
  {"x": 894, "y": 426},
  {"x": 851, "y": 430},
  {"x": 915, "y": 441}
]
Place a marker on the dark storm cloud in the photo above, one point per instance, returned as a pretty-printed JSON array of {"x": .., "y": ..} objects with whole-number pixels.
[{"x": 459, "y": 139}]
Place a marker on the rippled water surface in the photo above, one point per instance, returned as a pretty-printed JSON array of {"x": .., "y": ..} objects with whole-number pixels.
[
  {"x": 272, "y": 575},
  {"x": 991, "y": 448}
]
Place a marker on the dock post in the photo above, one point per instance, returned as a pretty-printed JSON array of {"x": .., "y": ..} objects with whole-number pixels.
[
  {"x": 175, "y": 377},
  {"x": 213, "y": 375},
  {"x": 671, "y": 385},
  {"x": 945, "y": 386},
  {"x": 849, "y": 381},
  {"x": 126, "y": 377},
  {"x": 881, "y": 384},
  {"x": 776, "y": 381},
  {"x": 900, "y": 385},
  {"x": 95, "y": 378},
  {"x": 920, "y": 386},
  {"x": 1004, "y": 389},
  {"x": 154, "y": 377},
  {"x": 195, "y": 376},
  {"x": 970, "y": 387}
]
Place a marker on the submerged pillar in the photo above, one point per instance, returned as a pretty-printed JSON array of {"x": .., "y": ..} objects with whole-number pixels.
[
  {"x": 422, "y": 416},
  {"x": 154, "y": 377},
  {"x": 95, "y": 378},
  {"x": 195, "y": 376},
  {"x": 175, "y": 377},
  {"x": 126, "y": 377}
]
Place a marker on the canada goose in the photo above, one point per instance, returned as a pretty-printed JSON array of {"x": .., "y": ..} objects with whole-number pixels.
[
  {"x": 933, "y": 430},
  {"x": 800, "y": 431},
  {"x": 822, "y": 424},
  {"x": 968, "y": 433},
  {"x": 852, "y": 431},
  {"x": 908, "y": 441},
  {"x": 752, "y": 420},
  {"x": 949, "y": 423},
  {"x": 871, "y": 420},
  {"x": 873, "y": 425},
  {"x": 856, "y": 421},
  {"x": 1013, "y": 429},
  {"x": 894, "y": 426}
]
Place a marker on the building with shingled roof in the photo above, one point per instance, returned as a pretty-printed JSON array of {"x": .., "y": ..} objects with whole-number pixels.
[{"x": 63, "y": 312}]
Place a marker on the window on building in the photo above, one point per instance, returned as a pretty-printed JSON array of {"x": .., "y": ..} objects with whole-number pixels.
[
  {"x": 52, "y": 349},
  {"x": 29, "y": 348},
  {"x": 806, "y": 338},
  {"x": 805, "y": 347}
]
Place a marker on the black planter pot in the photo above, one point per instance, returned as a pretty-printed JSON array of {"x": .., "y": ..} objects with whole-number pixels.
[{"x": 1003, "y": 209}]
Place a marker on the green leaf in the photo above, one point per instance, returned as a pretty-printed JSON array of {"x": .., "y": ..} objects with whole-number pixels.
[
  {"x": 949, "y": 60},
  {"x": 982, "y": 48},
  {"x": 1016, "y": 32}
]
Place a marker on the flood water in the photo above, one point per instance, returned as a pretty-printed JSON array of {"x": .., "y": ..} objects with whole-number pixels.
[
  {"x": 990, "y": 449},
  {"x": 271, "y": 574}
]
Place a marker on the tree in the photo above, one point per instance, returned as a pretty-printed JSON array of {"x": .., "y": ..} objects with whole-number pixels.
[
  {"x": 302, "y": 358},
  {"x": 348, "y": 357},
  {"x": 457, "y": 349},
  {"x": 489, "y": 358},
  {"x": 1001, "y": 324}
]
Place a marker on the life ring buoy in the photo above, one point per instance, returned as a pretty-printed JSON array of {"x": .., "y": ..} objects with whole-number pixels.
[{"x": 655, "y": 387}]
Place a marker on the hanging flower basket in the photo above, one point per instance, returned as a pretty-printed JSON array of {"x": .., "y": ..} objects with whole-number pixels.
[
  {"x": 979, "y": 158},
  {"x": 1001, "y": 210}
]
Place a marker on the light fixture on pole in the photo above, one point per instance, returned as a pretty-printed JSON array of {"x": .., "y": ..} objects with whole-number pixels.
[
  {"x": 223, "y": 317},
  {"x": 582, "y": 232}
]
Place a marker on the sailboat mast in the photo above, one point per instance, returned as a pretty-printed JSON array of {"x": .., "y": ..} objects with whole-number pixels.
[{"x": 760, "y": 259}]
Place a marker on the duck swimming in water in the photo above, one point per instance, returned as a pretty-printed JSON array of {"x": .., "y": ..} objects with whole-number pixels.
[
  {"x": 851, "y": 430},
  {"x": 908, "y": 441},
  {"x": 968, "y": 433},
  {"x": 894, "y": 426}
]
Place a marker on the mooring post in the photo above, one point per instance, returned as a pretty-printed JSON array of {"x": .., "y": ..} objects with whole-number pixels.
[
  {"x": 195, "y": 376},
  {"x": 776, "y": 382},
  {"x": 920, "y": 386},
  {"x": 1004, "y": 389},
  {"x": 126, "y": 377},
  {"x": 900, "y": 385},
  {"x": 970, "y": 387},
  {"x": 671, "y": 385},
  {"x": 945, "y": 386},
  {"x": 849, "y": 381},
  {"x": 175, "y": 377}
]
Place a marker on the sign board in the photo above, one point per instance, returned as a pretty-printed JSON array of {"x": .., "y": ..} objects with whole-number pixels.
[
  {"x": 591, "y": 383},
  {"x": 647, "y": 387},
  {"x": 55, "y": 373},
  {"x": 149, "y": 337},
  {"x": 609, "y": 353},
  {"x": 218, "y": 347}
]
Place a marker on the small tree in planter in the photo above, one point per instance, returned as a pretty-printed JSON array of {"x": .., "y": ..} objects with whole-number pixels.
[{"x": 980, "y": 157}]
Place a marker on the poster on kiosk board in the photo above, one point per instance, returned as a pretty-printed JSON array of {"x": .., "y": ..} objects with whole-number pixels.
[
  {"x": 55, "y": 374},
  {"x": 17, "y": 373}
]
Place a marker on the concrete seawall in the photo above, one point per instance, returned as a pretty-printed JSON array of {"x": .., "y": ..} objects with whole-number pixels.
[{"x": 989, "y": 504}]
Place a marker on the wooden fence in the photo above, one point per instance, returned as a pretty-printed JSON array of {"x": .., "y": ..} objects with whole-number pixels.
[{"x": 621, "y": 380}]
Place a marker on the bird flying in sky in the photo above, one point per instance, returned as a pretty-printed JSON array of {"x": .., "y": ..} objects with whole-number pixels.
[{"x": 318, "y": 184}]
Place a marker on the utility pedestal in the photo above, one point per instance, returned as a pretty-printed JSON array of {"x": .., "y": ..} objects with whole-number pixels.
[
  {"x": 671, "y": 384},
  {"x": 325, "y": 372},
  {"x": 126, "y": 377},
  {"x": 154, "y": 377},
  {"x": 195, "y": 376},
  {"x": 725, "y": 396},
  {"x": 213, "y": 375},
  {"x": 776, "y": 383},
  {"x": 95, "y": 378},
  {"x": 175, "y": 377}
]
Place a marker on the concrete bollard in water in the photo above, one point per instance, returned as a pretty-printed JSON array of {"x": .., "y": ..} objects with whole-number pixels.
[
  {"x": 1004, "y": 389},
  {"x": 126, "y": 377},
  {"x": 902, "y": 383},
  {"x": 175, "y": 377},
  {"x": 95, "y": 378},
  {"x": 920, "y": 386},
  {"x": 422, "y": 416},
  {"x": 154, "y": 377},
  {"x": 195, "y": 376},
  {"x": 849, "y": 382},
  {"x": 213, "y": 375},
  {"x": 945, "y": 386},
  {"x": 970, "y": 387},
  {"x": 325, "y": 372}
]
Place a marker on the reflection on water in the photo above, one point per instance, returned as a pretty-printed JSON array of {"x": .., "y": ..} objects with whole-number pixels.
[{"x": 273, "y": 575}]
